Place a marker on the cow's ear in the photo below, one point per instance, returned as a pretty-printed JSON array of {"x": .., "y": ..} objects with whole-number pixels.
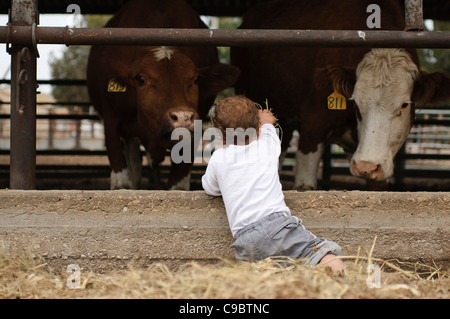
[
  {"x": 335, "y": 78},
  {"x": 213, "y": 79},
  {"x": 122, "y": 72},
  {"x": 431, "y": 88}
]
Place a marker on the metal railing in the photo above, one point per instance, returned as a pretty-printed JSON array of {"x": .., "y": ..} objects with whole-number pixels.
[{"x": 427, "y": 142}]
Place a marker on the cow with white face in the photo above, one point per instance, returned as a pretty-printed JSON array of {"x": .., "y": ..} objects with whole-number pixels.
[
  {"x": 385, "y": 89},
  {"x": 385, "y": 111},
  {"x": 378, "y": 89}
]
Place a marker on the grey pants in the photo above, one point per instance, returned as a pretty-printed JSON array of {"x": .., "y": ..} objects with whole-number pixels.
[{"x": 281, "y": 235}]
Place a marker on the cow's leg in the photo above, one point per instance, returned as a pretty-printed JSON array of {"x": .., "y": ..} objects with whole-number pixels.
[
  {"x": 306, "y": 168},
  {"x": 129, "y": 176},
  {"x": 120, "y": 174},
  {"x": 114, "y": 148},
  {"x": 121, "y": 179},
  {"x": 133, "y": 159},
  {"x": 180, "y": 176},
  {"x": 377, "y": 185},
  {"x": 154, "y": 176}
]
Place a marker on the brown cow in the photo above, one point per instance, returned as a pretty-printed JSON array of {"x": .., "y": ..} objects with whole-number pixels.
[
  {"x": 144, "y": 92},
  {"x": 380, "y": 87}
]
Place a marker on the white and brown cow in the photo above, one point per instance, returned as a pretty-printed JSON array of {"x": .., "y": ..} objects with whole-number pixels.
[
  {"x": 143, "y": 93},
  {"x": 380, "y": 87}
]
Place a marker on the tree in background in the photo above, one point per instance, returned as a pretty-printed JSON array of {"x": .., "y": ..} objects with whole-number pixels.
[
  {"x": 227, "y": 23},
  {"x": 72, "y": 65},
  {"x": 436, "y": 60},
  {"x": 224, "y": 52}
]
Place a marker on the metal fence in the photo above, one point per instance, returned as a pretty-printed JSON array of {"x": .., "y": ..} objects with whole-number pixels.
[{"x": 61, "y": 136}]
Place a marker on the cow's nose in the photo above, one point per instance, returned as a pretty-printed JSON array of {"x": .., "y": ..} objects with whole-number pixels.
[
  {"x": 366, "y": 169},
  {"x": 182, "y": 118}
]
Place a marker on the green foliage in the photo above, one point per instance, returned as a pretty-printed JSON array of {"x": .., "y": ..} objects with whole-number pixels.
[
  {"x": 72, "y": 65},
  {"x": 227, "y": 23},
  {"x": 224, "y": 52},
  {"x": 436, "y": 60}
]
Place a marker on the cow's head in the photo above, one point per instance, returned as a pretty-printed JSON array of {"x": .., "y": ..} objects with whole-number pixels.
[
  {"x": 386, "y": 87},
  {"x": 168, "y": 85}
]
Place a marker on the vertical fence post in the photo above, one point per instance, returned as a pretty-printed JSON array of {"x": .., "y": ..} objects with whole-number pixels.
[
  {"x": 23, "y": 99},
  {"x": 413, "y": 15}
]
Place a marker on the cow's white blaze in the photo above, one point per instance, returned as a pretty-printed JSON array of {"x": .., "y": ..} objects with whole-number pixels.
[
  {"x": 385, "y": 79},
  {"x": 163, "y": 52}
]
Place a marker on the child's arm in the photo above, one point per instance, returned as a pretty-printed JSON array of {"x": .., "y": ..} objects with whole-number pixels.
[
  {"x": 209, "y": 181},
  {"x": 268, "y": 132},
  {"x": 266, "y": 116}
]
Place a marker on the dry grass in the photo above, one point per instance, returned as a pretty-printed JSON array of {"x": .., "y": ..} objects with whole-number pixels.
[{"x": 23, "y": 275}]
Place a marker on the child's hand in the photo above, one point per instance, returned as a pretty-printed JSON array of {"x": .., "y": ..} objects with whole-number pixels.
[{"x": 266, "y": 117}]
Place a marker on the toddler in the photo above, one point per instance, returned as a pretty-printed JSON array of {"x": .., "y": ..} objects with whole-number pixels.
[{"x": 245, "y": 173}]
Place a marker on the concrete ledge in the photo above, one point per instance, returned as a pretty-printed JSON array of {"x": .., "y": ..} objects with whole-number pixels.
[{"x": 104, "y": 230}]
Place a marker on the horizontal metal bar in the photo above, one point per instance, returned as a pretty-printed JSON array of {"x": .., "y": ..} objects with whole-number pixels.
[
  {"x": 429, "y": 137},
  {"x": 431, "y": 122},
  {"x": 224, "y": 37},
  {"x": 92, "y": 117},
  {"x": 76, "y": 103},
  {"x": 444, "y": 122},
  {"x": 53, "y": 82},
  {"x": 70, "y": 152}
]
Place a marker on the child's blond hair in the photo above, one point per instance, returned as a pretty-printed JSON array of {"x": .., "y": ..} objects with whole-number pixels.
[{"x": 238, "y": 114}]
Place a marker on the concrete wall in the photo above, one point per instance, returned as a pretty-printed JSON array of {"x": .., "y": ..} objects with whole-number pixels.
[{"x": 104, "y": 230}]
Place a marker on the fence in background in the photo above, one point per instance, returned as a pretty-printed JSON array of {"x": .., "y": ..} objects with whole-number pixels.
[{"x": 64, "y": 134}]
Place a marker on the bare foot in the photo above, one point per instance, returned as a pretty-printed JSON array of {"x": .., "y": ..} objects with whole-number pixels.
[{"x": 334, "y": 263}]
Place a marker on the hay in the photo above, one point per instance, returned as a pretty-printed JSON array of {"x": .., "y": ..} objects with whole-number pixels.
[
  {"x": 276, "y": 125},
  {"x": 23, "y": 275}
]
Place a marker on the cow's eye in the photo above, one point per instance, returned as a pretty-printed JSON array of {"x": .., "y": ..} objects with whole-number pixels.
[
  {"x": 193, "y": 80},
  {"x": 140, "y": 79},
  {"x": 405, "y": 105}
]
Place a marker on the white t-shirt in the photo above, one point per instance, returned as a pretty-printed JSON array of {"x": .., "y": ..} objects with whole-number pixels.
[{"x": 246, "y": 176}]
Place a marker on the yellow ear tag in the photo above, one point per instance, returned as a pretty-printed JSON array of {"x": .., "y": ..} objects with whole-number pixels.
[
  {"x": 116, "y": 86},
  {"x": 336, "y": 101}
]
